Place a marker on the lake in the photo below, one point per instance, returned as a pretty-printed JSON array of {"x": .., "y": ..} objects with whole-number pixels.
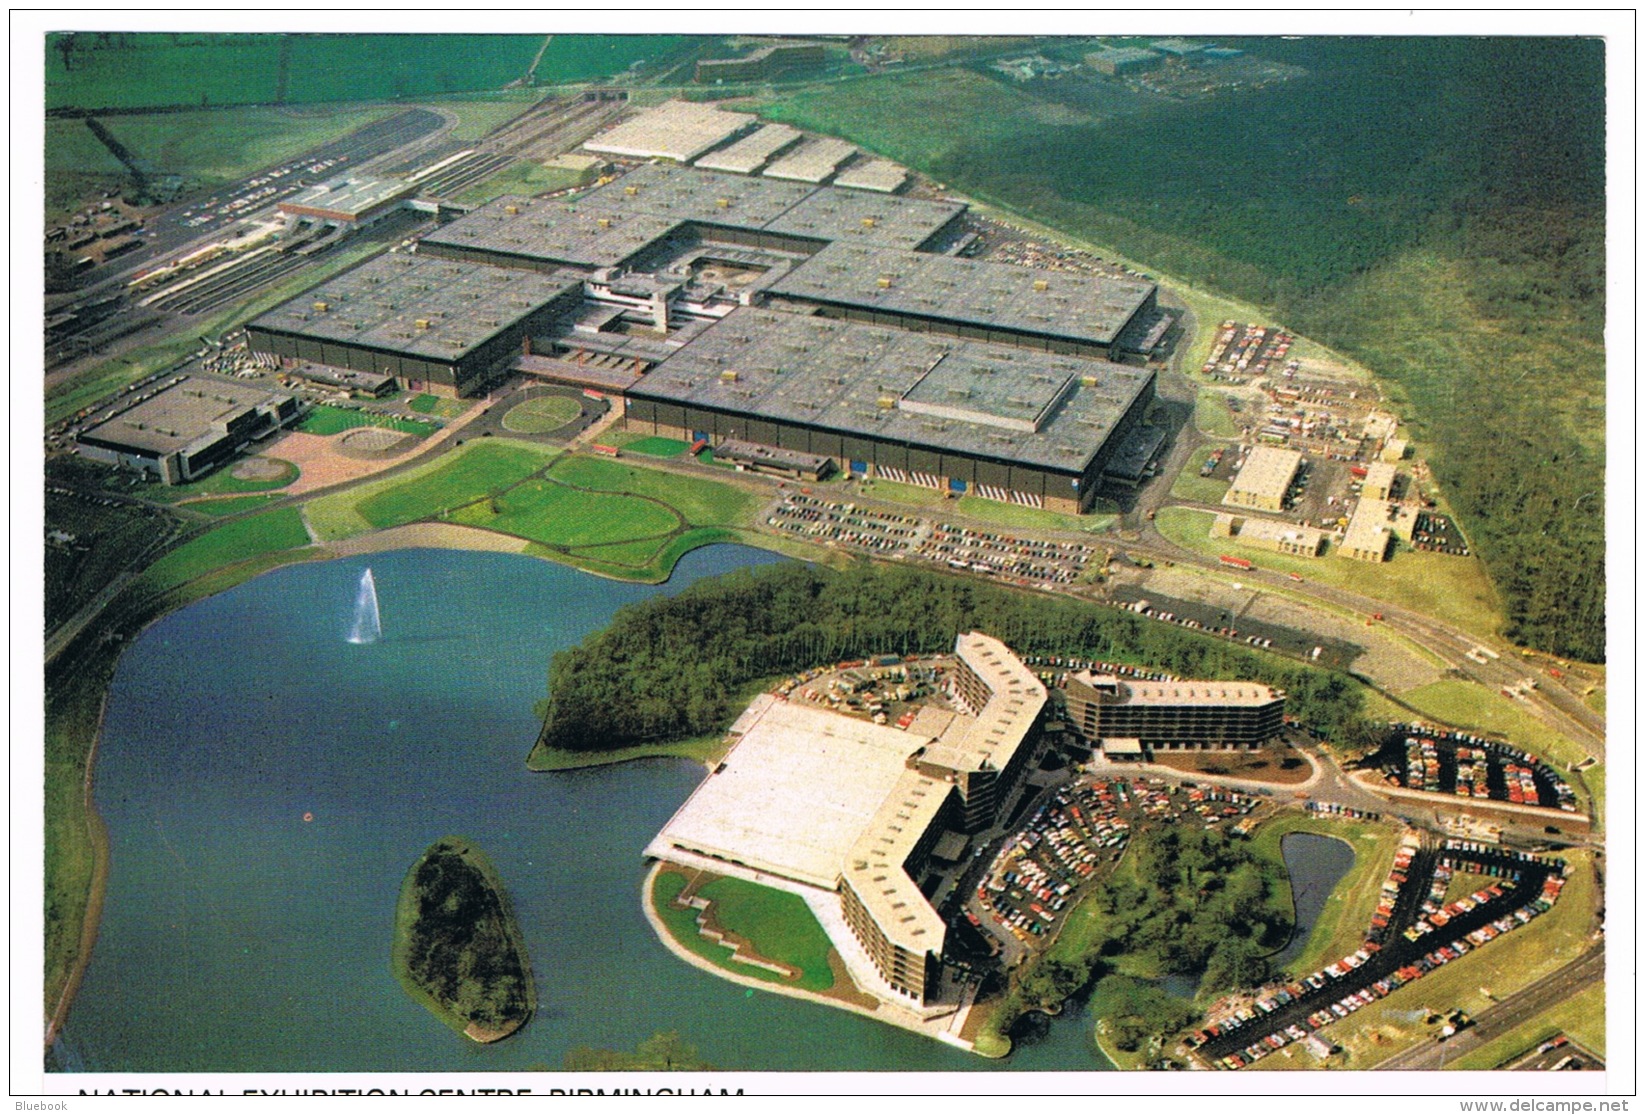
[{"x": 238, "y": 936}]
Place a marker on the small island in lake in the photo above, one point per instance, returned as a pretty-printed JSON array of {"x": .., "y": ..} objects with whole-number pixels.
[{"x": 457, "y": 947}]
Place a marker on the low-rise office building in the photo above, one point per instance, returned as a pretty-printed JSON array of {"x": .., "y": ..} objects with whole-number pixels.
[
  {"x": 1264, "y": 479},
  {"x": 184, "y": 429},
  {"x": 1269, "y": 534},
  {"x": 1174, "y": 715}
]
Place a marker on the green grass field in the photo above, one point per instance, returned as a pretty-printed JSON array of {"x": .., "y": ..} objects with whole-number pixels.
[
  {"x": 542, "y": 415},
  {"x": 1582, "y": 1017},
  {"x": 231, "y": 505},
  {"x": 325, "y": 420},
  {"x": 473, "y": 471},
  {"x": 526, "y": 178},
  {"x": 223, "y": 482},
  {"x": 1454, "y": 590},
  {"x": 478, "y": 115},
  {"x": 664, "y": 447},
  {"x": 1212, "y": 416},
  {"x": 487, "y": 468},
  {"x": 778, "y": 925},
  {"x": 438, "y": 407},
  {"x": 555, "y": 515},
  {"x": 227, "y": 545},
  {"x": 1201, "y": 489},
  {"x": 222, "y": 145},
  {"x": 700, "y": 502}
]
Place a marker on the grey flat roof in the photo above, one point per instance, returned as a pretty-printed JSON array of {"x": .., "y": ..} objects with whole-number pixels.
[
  {"x": 1092, "y": 308},
  {"x": 699, "y": 195},
  {"x": 380, "y": 304},
  {"x": 874, "y": 174},
  {"x": 180, "y": 414},
  {"x": 876, "y": 220},
  {"x": 813, "y": 161},
  {"x": 572, "y": 233},
  {"x": 851, "y": 378},
  {"x": 761, "y": 203},
  {"x": 751, "y": 152},
  {"x": 679, "y": 130},
  {"x": 1122, "y": 54}
]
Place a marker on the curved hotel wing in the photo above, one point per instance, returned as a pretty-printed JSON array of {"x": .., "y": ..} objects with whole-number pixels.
[{"x": 845, "y": 812}]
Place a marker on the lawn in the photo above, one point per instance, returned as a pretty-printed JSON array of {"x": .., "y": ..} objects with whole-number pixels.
[
  {"x": 486, "y": 469},
  {"x": 700, "y": 502},
  {"x": 1191, "y": 485},
  {"x": 1582, "y": 1017},
  {"x": 778, "y": 926},
  {"x": 1453, "y": 590},
  {"x": 699, "y": 749},
  {"x": 231, "y": 505},
  {"x": 542, "y": 415},
  {"x": 664, "y": 447},
  {"x": 325, "y": 420},
  {"x": 151, "y": 69},
  {"x": 1346, "y": 918},
  {"x": 438, "y": 407},
  {"x": 525, "y": 178},
  {"x": 216, "y": 146},
  {"x": 223, "y": 482},
  {"x": 555, "y": 515},
  {"x": 227, "y": 545},
  {"x": 479, "y": 116},
  {"x": 1211, "y": 413},
  {"x": 468, "y": 473}
]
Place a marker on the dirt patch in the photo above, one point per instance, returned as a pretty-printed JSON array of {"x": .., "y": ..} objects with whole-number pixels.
[
  {"x": 432, "y": 536},
  {"x": 1281, "y": 766},
  {"x": 260, "y": 469},
  {"x": 374, "y": 443}
]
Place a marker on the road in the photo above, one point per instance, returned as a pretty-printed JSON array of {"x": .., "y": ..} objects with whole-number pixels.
[{"x": 1517, "y": 1009}]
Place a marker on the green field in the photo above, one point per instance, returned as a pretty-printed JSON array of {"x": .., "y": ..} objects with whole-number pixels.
[
  {"x": 542, "y": 415},
  {"x": 1211, "y": 414},
  {"x": 325, "y": 420},
  {"x": 469, "y": 472},
  {"x": 231, "y": 505},
  {"x": 487, "y": 468},
  {"x": 1451, "y": 589},
  {"x": 438, "y": 407},
  {"x": 1582, "y": 1017},
  {"x": 227, "y": 545},
  {"x": 778, "y": 926},
  {"x": 526, "y": 178},
  {"x": 700, "y": 502},
  {"x": 664, "y": 447},
  {"x": 143, "y": 70},
  {"x": 223, "y": 482},
  {"x": 555, "y": 515},
  {"x": 1201, "y": 489}
]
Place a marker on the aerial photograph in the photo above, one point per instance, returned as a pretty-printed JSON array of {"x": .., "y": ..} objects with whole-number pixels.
[{"x": 678, "y": 562}]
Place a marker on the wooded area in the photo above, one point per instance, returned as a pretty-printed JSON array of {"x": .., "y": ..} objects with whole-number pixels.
[
  {"x": 457, "y": 944},
  {"x": 672, "y": 667}
]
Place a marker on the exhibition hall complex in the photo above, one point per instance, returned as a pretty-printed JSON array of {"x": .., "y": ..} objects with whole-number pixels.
[{"x": 826, "y": 327}]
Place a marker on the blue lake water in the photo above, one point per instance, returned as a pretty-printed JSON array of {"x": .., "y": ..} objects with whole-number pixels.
[{"x": 237, "y": 936}]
